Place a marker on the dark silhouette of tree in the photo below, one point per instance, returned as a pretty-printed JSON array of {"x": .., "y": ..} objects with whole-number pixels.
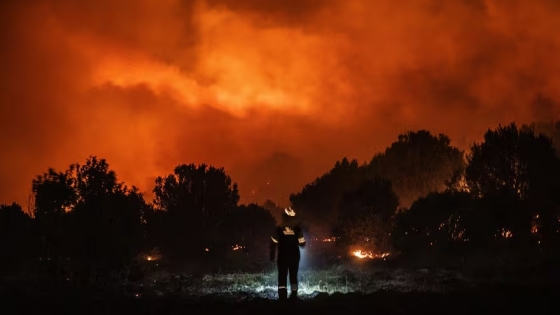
[
  {"x": 517, "y": 173},
  {"x": 89, "y": 218},
  {"x": 246, "y": 233},
  {"x": 550, "y": 129},
  {"x": 18, "y": 242},
  {"x": 274, "y": 209},
  {"x": 366, "y": 215},
  {"x": 196, "y": 199},
  {"x": 435, "y": 222},
  {"x": 417, "y": 164},
  {"x": 318, "y": 202},
  {"x": 54, "y": 195}
]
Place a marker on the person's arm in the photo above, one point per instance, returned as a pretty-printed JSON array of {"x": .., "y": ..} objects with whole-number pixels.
[
  {"x": 301, "y": 239},
  {"x": 273, "y": 245}
]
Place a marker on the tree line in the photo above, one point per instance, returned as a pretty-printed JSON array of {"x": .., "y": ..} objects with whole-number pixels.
[
  {"x": 420, "y": 195},
  {"x": 424, "y": 195},
  {"x": 87, "y": 226}
]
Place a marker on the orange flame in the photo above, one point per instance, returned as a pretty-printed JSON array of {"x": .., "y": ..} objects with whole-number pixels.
[{"x": 369, "y": 254}]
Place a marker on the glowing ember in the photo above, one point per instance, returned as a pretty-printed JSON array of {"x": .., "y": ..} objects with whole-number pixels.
[
  {"x": 506, "y": 233},
  {"x": 153, "y": 255},
  {"x": 368, "y": 254},
  {"x": 237, "y": 247},
  {"x": 206, "y": 250}
]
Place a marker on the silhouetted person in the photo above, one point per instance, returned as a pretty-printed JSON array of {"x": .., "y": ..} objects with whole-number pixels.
[{"x": 288, "y": 238}]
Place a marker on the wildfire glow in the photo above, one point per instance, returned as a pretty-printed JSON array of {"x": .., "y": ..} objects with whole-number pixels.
[
  {"x": 265, "y": 89},
  {"x": 368, "y": 254}
]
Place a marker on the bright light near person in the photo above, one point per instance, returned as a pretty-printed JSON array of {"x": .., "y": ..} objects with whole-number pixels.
[{"x": 304, "y": 290}]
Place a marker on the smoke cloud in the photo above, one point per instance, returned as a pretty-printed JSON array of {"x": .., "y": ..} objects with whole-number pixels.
[{"x": 273, "y": 91}]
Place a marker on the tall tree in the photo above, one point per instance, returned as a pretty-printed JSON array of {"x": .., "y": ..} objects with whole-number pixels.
[
  {"x": 418, "y": 163},
  {"x": 366, "y": 215},
  {"x": 90, "y": 217},
  {"x": 196, "y": 199},
  {"x": 520, "y": 172},
  {"x": 18, "y": 243},
  {"x": 54, "y": 195},
  {"x": 318, "y": 202}
]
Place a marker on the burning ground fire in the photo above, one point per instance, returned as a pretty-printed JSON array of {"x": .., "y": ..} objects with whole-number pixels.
[
  {"x": 368, "y": 254},
  {"x": 361, "y": 254},
  {"x": 153, "y": 255},
  {"x": 235, "y": 247}
]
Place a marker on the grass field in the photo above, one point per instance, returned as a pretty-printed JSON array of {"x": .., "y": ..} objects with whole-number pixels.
[
  {"x": 481, "y": 285},
  {"x": 333, "y": 290},
  {"x": 336, "y": 279}
]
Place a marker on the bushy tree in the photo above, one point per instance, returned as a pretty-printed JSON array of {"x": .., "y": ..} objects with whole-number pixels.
[
  {"x": 517, "y": 173},
  {"x": 246, "y": 235},
  {"x": 88, "y": 217},
  {"x": 550, "y": 129},
  {"x": 366, "y": 215},
  {"x": 18, "y": 242},
  {"x": 435, "y": 222},
  {"x": 417, "y": 164},
  {"x": 195, "y": 200},
  {"x": 318, "y": 202}
]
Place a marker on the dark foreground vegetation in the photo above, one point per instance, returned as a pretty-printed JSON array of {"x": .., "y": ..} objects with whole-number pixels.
[
  {"x": 490, "y": 300},
  {"x": 389, "y": 228}
]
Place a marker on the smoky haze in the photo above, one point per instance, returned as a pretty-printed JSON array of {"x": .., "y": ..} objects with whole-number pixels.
[{"x": 274, "y": 91}]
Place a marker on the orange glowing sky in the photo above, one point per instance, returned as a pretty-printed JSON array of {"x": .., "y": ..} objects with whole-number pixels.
[{"x": 274, "y": 91}]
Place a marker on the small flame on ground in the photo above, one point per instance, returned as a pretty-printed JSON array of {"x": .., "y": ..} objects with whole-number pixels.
[
  {"x": 326, "y": 240},
  {"x": 368, "y": 254},
  {"x": 153, "y": 255},
  {"x": 237, "y": 247}
]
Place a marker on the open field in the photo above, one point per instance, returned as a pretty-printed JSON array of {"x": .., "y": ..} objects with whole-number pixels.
[
  {"x": 339, "y": 279},
  {"x": 329, "y": 290}
]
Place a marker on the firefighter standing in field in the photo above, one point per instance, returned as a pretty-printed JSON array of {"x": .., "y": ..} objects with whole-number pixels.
[{"x": 288, "y": 238}]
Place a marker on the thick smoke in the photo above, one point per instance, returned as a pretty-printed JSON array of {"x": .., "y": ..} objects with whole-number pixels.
[{"x": 274, "y": 91}]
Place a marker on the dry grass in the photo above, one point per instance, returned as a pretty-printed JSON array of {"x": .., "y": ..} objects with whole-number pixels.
[{"x": 337, "y": 279}]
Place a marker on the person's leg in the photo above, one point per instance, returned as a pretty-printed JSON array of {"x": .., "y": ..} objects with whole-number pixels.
[
  {"x": 282, "y": 280},
  {"x": 293, "y": 270}
]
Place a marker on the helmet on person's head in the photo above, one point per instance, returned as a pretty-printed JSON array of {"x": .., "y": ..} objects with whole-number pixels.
[
  {"x": 290, "y": 212},
  {"x": 288, "y": 216}
]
